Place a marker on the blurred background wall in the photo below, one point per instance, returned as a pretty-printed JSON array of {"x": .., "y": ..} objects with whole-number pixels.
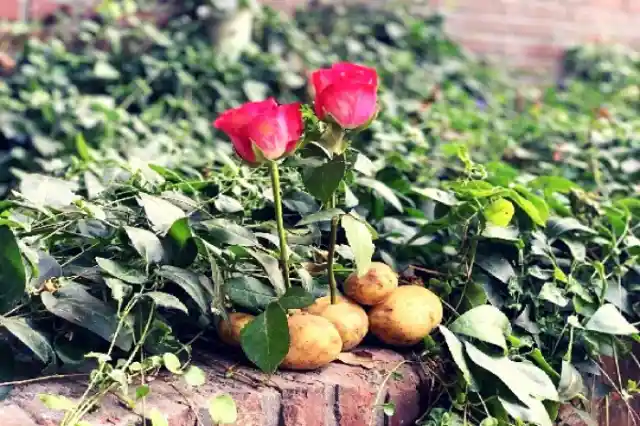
[{"x": 529, "y": 35}]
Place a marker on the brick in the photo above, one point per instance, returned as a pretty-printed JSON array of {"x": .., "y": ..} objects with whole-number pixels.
[
  {"x": 27, "y": 398},
  {"x": 10, "y": 9},
  {"x": 306, "y": 406},
  {"x": 39, "y": 9},
  {"x": 405, "y": 394},
  {"x": 12, "y": 415}
]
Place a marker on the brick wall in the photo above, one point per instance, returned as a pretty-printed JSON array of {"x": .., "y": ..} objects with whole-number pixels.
[{"x": 529, "y": 35}]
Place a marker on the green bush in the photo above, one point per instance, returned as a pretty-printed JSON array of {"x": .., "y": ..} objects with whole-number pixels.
[{"x": 129, "y": 226}]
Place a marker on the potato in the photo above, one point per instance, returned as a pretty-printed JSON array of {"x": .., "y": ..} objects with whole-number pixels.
[
  {"x": 314, "y": 342},
  {"x": 350, "y": 320},
  {"x": 408, "y": 315},
  {"x": 321, "y": 303},
  {"x": 229, "y": 331},
  {"x": 373, "y": 287}
]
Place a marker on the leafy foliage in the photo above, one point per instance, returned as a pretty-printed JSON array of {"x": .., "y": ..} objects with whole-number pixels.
[{"x": 128, "y": 225}]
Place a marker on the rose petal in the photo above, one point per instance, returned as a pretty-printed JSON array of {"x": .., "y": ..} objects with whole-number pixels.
[
  {"x": 351, "y": 105},
  {"x": 234, "y": 121},
  {"x": 269, "y": 133},
  {"x": 356, "y": 73},
  {"x": 291, "y": 115},
  {"x": 321, "y": 79},
  {"x": 243, "y": 148}
]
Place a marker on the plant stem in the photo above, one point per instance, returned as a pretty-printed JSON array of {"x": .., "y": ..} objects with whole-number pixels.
[
  {"x": 277, "y": 201},
  {"x": 333, "y": 287}
]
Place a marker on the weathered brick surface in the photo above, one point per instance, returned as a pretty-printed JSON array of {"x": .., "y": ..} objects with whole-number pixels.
[{"x": 338, "y": 395}]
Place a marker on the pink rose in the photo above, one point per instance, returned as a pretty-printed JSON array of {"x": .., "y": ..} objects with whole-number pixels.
[
  {"x": 262, "y": 130},
  {"x": 346, "y": 94}
]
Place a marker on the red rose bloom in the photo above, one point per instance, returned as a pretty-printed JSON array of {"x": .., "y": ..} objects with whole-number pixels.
[
  {"x": 346, "y": 93},
  {"x": 262, "y": 130}
]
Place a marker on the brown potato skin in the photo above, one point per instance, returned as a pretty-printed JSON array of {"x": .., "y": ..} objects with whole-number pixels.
[
  {"x": 351, "y": 321},
  {"x": 314, "y": 342},
  {"x": 321, "y": 303},
  {"x": 229, "y": 331},
  {"x": 373, "y": 287},
  {"x": 408, "y": 315}
]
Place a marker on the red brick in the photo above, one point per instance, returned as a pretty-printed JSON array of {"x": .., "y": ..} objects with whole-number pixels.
[
  {"x": 305, "y": 406},
  {"x": 10, "y": 9},
  {"x": 12, "y": 415},
  {"x": 405, "y": 394},
  {"x": 39, "y": 9}
]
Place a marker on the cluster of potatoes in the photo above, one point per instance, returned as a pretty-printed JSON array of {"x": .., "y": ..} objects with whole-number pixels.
[{"x": 397, "y": 315}]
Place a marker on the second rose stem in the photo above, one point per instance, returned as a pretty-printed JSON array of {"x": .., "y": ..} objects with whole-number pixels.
[
  {"x": 277, "y": 201},
  {"x": 333, "y": 286}
]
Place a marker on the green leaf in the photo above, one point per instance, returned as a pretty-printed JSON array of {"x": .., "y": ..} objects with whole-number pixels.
[
  {"x": 223, "y": 410},
  {"x": 142, "y": 391},
  {"x": 255, "y": 90},
  {"x": 45, "y": 191},
  {"x": 443, "y": 197},
  {"x": 360, "y": 241},
  {"x": 190, "y": 283},
  {"x": 532, "y": 411},
  {"x": 522, "y": 378},
  {"x": 493, "y": 232},
  {"x": 499, "y": 212},
  {"x": 217, "y": 279},
  {"x": 119, "y": 290},
  {"x": 561, "y": 225},
  {"x": 496, "y": 266},
  {"x": 608, "y": 320},
  {"x": 540, "y": 384},
  {"x": 381, "y": 190},
  {"x": 552, "y": 184},
  {"x": 457, "y": 353},
  {"x": 146, "y": 244},
  {"x": 389, "y": 409},
  {"x": 551, "y": 293},
  {"x": 57, "y": 402},
  {"x": 324, "y": 180},
  {"x": 122, "y": 272},
  {"x": 226, "y": 204},
  {"x": 249, "y": 293},
  {"x": 490, "y": 421},
  {"x": 33, "y": 339},
  {"x": 74, "y": 304},
  {"x": 536, "y": 215},
  {"x": 105, "y": 71},
  {"x": 161, "y": 213},
  {"x": 82, "y": 147},
  {"x": 571, "y": 384},
  {"x": 272, "y": 267},
  {"x": 226, "y": 232},
  {"x": 157, "y": 418},
  {"x": 265, "y": 340},
  {"x": 539, "y": 203},
  {"x": 166, "y": 300},
  {"x": 13, "y": 279},
  {"x": 172, "y": 363},
  {"x": 195, "y": 376},
  {"x": 296, "y": 298},
  {"x": 485, "y": 323},
  {"x": 321, "y": 216},
  {"x": 577, "y": 249}
]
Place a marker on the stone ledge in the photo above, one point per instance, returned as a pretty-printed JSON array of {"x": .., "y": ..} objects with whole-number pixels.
[{"x": 338, "y": 395}]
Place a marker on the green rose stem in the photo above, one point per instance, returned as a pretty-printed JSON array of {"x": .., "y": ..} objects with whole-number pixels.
[
  {"x": 335, "y": 140},
  {"x": 277, "y": 201},
  {"x": 333, "y": 286}
]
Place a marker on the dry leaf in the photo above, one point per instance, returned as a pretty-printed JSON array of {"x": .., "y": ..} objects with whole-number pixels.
[{"x": 360, "y": 358}]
